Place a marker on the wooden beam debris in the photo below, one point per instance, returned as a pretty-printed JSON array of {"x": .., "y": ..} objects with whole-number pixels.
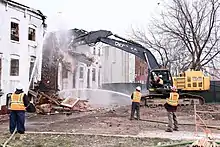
[
  {"x": 70, "y": 102},
  {"x": 50, "y": 98},
  {"x": 49, "y": 103}
]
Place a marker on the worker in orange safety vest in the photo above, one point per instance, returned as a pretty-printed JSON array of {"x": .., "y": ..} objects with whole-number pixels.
[
  {"x": 17, "y": 103},
  {"x": 136, "y": 98},
  {"x": 171, "y": 107}
]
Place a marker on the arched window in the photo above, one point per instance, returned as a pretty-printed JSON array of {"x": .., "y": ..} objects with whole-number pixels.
[{"x": 15, "y": 29}]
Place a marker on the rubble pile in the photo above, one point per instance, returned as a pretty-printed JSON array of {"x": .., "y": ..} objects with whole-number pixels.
[{"x": 48, "y": 103}]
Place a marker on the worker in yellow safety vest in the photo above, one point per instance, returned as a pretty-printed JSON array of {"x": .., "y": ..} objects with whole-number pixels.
[
  {"x": 136, "y": 98},
  {"x": 171, "y": 107},
  {"x": 17, "y": 103}
]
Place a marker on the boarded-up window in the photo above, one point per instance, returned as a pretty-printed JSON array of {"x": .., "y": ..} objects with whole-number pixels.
[
  {"x": 81, "y": 72},
  {"x": 93, "y": 74},
  {"x": 14, "y": 31},
  {"x": 14, "y": 69},
  {"x": 31, "y": 34}
]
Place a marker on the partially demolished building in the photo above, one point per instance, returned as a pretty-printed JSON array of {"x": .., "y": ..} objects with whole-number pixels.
[{"x": 65, "y": 67}]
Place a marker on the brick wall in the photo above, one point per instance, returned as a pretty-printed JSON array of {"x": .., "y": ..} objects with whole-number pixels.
[{"x": 140, "y": 70}]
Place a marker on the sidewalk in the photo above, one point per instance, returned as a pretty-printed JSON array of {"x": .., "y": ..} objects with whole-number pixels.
[{"x": 180, "y": 135}]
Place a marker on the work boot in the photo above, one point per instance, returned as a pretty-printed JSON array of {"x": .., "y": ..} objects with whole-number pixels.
[
  {"x": 136, "y": 118},
  {"x": 168, "y": 130},
  {"x": 176, "y": 129},
  {"x": 131, "y": 118}
]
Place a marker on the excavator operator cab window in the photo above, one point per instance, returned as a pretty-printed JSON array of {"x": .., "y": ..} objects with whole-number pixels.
[{"x": 160, "y": 79}]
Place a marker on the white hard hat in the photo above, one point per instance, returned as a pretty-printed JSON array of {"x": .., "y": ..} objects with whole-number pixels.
[
  {"x": 138, "y": 88},
  {"x": 160, "y": 76},
  {"x": 19, "y": 87}
]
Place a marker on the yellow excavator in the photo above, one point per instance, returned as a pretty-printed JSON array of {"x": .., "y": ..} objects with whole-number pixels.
[{"x": 190, "y": 84}]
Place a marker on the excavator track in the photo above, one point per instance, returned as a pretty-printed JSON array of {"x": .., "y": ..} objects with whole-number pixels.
[
  {"x": 185, "y": 99},
  {"x": 191, "y": 99}
]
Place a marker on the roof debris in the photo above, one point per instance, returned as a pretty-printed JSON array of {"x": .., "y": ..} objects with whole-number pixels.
[{"x": 49, "y": 103}]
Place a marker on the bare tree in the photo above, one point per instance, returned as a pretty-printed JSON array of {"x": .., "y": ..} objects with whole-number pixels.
[{"x": 186, "y": 35}]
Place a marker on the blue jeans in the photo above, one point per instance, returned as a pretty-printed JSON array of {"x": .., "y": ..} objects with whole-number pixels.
[{"x": 17, "y": 120}]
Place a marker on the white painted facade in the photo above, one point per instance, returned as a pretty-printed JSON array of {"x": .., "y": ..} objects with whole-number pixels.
[
  {"x": 118, "y": 65},
  {"x": 65, "y": 79},
  {"x": 21, "y": 20},
  {"x": 84, "y": 76}
]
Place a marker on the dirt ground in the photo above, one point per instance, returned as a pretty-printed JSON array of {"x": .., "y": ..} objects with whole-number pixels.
[{"x": 107, "y": 121}]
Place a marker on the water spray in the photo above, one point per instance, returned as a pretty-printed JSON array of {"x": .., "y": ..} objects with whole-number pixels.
[{"x": 94, "y": 89}]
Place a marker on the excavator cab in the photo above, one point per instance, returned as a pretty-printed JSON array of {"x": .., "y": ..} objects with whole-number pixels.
[{"x": 160, "y": 81}]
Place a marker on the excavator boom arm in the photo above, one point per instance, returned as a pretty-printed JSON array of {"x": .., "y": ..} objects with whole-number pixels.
[{"x": 132, "y": 47}]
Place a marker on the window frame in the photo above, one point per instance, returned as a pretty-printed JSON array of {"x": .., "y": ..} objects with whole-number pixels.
[
  {"x": 14, "y": 57},
  {"x": 32, "y": 61},
  {"x": 31, "y": 26},
  {"x": 93, "y": 74},
  {"x": 65, "y": 73},
  {"x": 15, "y": 21},
  {"x": 81, "y": 72}
]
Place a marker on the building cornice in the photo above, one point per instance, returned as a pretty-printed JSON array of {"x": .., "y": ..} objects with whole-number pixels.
[{"x": 25, "y": 8}]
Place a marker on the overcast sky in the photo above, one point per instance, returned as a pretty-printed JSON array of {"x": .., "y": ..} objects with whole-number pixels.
[{"x": 117, "y": 16}]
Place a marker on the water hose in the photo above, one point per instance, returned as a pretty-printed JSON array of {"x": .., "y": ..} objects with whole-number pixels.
[
  {"x": 9, "y": 139},
  {"x": 176, "y": 144}
]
